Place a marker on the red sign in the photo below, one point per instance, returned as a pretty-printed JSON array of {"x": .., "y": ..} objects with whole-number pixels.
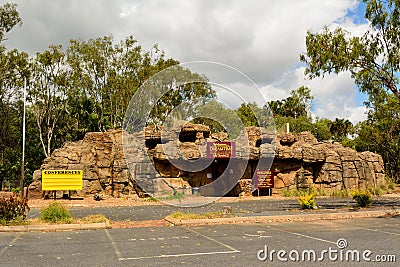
[
  {"x": 263, "y": 179},
  {"x": 221, "y": 150}
]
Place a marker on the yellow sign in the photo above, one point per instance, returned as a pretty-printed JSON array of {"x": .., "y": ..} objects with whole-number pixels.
[{"x": 62, "y": 179}]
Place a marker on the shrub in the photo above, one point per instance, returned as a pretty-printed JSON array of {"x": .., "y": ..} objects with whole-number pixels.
[
  {"x": 16, "y": 190},
  {"x": 13, "y": 208},
  {"x": 363, "y": 198},
  {"x": 56, "y": 213},
  {"x": 307, "y": 201}
]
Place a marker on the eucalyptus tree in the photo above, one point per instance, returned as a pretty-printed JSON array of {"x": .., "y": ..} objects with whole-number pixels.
[
  {"x": 106, "y": 75},
  {"x": 373, "y": 59},
  {"x": 13, "y": 68},
  {"x": 48, "y": 92},
  {"x": 296, "y": 105},
  {"x": 9, "y": 17}
]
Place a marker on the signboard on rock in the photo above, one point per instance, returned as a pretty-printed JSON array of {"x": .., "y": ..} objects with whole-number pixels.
[
  {"x": 263, "y": 179},
  {"x": 62, "y": 179},
  {"x": 220, "y": 150}
]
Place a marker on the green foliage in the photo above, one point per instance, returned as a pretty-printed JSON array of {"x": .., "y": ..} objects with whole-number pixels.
[
  {"x": 297, "y": 125},
  {"x": 381, "y": 132},
  {"x": 307, "y": 201},
  {"x": 151, "y": 199},
  {"x": 321, "y": 129},
  {"x": 13, "y": 65},
  {"x": 175, "y": 196},
  {"x": 363, "y": 198},
  {"x": 16, "y": 190},
  {"x": 56, "y": 213},
  {"x": 296, "y": 105},
  {"x": 373, "y": 59},
  {"x": 86, "y": 87},
  {"x": 48, "y": 88},
  {"x": 342, "y": 193},
  {"x": 340, "y": 128},
  {"x": 13, "y": 208},
  {"x": 246, "y": 114},
  {"x": 9, "y": 17},
  {"x": 391, "y": 184},
  {"x": 374, "y": 63}
]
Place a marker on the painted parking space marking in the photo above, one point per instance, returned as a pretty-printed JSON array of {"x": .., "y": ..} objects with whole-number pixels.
[
  {"x": 216, "y": 241},
  {"x": 159, "y": 238},
  {"x": 121, "y": 257},
  {"x": 303, "y": 235},
  {"x": 179, "y": 255},
  {"x": 3, "y": 250},
  {"x": 385, "y": 232},
  {"x": 114, "y": 245}
]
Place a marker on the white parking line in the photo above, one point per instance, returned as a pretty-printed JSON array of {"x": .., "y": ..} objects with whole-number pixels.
[
  {"x": 116, "y": 250},
  {"x": 212, "y": 239},
  {"x": 306, "y": 236},
  {"x": 9, "y": 245},
  {"x": 121, "y": 258},
  {"x": 180, "y": 255},
  {"x": 377, "y": 230}
]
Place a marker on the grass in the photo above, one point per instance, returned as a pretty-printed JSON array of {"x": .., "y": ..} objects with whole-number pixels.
[
  {"x": 390, "y": 183},
  {"x": 151, "y": 199},
  {"x": 14, "y": 222},
  {"x": 95, "y": 218},
  {"x": 176, "y": 195},
  {"x": 189, "y": 216},
  {"x": 338, "y": 193}
]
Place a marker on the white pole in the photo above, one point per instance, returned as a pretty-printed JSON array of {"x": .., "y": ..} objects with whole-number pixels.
[{"x": 21, "y": 184}]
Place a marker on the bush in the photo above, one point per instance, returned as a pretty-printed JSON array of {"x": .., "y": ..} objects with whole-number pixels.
[
  {"x": 13, "y": 208},
  {"x": 16, "y": 190},
  {"x": 363, "y": 198},
  {"x": 307, "y": 201},
  {"x": 56, "y": 213}
]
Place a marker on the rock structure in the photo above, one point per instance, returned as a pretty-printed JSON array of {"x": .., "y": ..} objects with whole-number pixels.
[
  {"x": 101, "y": 158},
  {"x": 300, "y": 161}
]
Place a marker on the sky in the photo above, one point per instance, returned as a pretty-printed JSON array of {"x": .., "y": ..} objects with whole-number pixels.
[{"x": 261, "y": 39}]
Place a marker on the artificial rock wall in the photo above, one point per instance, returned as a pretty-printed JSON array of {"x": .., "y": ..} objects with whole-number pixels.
[{"x": 300, "y": 161}]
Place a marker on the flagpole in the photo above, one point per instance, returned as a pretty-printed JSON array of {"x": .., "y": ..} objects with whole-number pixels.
[{"x": 21, "y": 183}]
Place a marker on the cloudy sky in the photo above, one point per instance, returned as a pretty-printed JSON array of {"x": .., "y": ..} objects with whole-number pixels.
[{"x": 262, "y": 39}]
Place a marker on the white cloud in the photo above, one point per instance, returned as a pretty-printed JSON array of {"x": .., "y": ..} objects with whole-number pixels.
[
  {"x": 263, "y": 39},
  {"x": 334, "y": 94}
]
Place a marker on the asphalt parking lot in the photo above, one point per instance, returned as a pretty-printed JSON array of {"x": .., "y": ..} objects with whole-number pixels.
[{"x": 219, "y": 245}]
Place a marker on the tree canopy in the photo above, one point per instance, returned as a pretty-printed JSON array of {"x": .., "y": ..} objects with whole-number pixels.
[
  {"x": 9, "y": 17},
  {"x": 373, "y": 59}
]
